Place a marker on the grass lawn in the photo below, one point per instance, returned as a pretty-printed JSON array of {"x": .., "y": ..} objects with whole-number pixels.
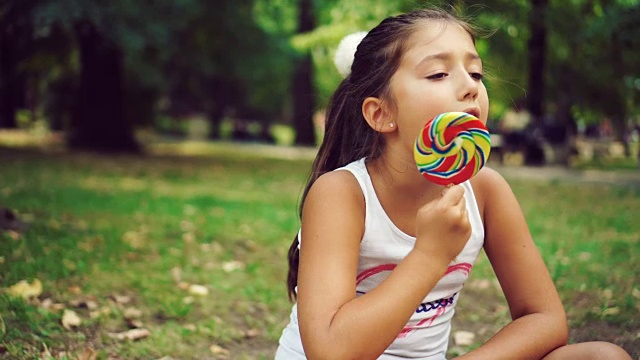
[{"x": 184, "y": 256}]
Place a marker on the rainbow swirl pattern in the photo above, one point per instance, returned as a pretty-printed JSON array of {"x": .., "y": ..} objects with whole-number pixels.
[{"x": 451, "y": 148}]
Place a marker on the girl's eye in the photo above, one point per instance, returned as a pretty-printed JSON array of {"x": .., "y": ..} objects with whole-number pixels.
[
  {"x": 437, "y": 76},
  {"x": 477, "y": 76}
]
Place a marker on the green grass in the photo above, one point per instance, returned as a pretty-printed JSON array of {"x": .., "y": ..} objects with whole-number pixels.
[
  {"x": 108, "y": 234},
  {"x": 609, "y": 164}
]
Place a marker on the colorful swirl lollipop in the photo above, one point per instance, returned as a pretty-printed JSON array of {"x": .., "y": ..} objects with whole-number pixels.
[{"x": 451, "y": 148}]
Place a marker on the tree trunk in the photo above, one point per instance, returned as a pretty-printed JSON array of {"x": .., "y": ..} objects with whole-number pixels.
[
  {"x": 8, "y": 73},
  {"x": 303, "y": 90},
  {"x": 537, "y": 51},
  {"x": 215, "y": 116},
  {"x": 619, "y": 112},
  {"x": 101, "y": 124},
  {"x": 534, "y": 154}
]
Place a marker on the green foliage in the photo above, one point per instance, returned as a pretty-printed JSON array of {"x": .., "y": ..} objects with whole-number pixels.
[
  {"x": 237, "y": 56},
  {"x": 592, "y": 57}
]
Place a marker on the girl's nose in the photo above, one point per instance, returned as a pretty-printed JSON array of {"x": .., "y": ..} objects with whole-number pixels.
[{"x": 469, "y": 87}]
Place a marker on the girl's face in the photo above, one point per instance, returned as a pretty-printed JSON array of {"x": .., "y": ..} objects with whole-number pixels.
[{"x": 439, "y": 72}]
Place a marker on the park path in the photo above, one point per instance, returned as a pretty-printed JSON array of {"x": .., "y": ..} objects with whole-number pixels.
[
  {"x": 549, "y": 173},
  {"x": 560, "y": 173}
]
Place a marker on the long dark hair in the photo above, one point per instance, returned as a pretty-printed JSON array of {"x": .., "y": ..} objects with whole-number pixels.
[{"x": 348, "y": 137}]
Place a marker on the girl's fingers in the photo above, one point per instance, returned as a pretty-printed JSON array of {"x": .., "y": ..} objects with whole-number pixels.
[{"x": 452, "y": 196}]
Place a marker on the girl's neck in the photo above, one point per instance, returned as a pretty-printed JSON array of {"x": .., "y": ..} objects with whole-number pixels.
[{"x": 399, "y": 175}]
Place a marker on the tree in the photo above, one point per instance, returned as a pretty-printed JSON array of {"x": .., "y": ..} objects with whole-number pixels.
[
  {"x": 101, "y": 123},
  {"x": 112, "y": 38},
  {"x": 537, "y": 50},
  {"x": 233, "y": 60},
  {"x": 15, "y": 45},
  {"x": 593, "y": 62},
  {"x": 303, "y": 89}
]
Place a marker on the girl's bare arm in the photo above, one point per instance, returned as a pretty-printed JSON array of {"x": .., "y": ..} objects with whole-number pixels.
[
  {"x": 334, "y": 324},
  {"x": 539, "y": 321}
]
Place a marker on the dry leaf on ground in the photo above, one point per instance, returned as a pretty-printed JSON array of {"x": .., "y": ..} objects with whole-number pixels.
[
  {"x": 121, "y": 299},
  {"x": 251, "y": 333},
  {"x": 198, "y": 290},
  {"x": 133, "y": 334},
  {"x": 3, "y": 327},
  {"x": 88, "y": 354},
  {"x": 218, "y": 350},
  {"x": 132, "y": 313},
  {"x": 464, "y": 338},
  {"x": 230, "y": 266},
  {"x": 70, "y": 319},
  {"x": 26, "y": 290}
]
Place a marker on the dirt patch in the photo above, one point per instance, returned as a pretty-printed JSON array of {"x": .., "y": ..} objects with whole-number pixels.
[
  {"x": 483, "y": 311},
  {"x": 603, "y": 331},
  {"x": 252, "y": 349}
]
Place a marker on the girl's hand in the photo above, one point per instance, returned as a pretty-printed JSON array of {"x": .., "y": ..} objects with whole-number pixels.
[{"x": 442, "y": 226}]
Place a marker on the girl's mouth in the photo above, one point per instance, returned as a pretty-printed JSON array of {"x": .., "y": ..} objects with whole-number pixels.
[{"x": 473, "y": 111}]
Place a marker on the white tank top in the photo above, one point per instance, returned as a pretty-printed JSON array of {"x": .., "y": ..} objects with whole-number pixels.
[{"x": 383, "y": 246}]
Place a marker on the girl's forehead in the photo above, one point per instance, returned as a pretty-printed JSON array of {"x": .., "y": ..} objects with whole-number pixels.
[{"x": 436, "y": 37}]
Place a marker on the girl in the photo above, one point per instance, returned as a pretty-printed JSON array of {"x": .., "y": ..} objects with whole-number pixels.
[{"x": 382, "y": 252}]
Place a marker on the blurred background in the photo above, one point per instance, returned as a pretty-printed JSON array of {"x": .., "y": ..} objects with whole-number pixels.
[
  {"x": 564, "y": 76},
  {"x": 153, "y": 154}
]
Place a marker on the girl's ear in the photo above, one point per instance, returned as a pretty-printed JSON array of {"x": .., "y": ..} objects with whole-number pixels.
[{"x": 377, "y": 114}]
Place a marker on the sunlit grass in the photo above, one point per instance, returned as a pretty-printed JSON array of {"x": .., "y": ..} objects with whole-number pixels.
[{"x": 146, "y": 228}]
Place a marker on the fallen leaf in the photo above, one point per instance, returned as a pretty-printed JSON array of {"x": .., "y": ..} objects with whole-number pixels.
[
  {"x": 134, "y": 239},
  {"x": 46, "y": 354},
  {"x": 99, "y": 312},
  {"x": 251, "y": 333},
  {"x": 218, "y": 350},
  {"x": 26, "y": 290},
  {"x": 198, "y": 290},
  {"x": 75, "y": 290},
  {"x": 188, "y": 238},
  {"x": 132, "y": 313},
  {"x": 121, "y": 299},
  {"x": 230, "y": 266},
  {"x": 133, "y": 334},
  {"x": 584, "y": 256},
  {"x": 70, "y": 319},
  {"x": 13, "y": 235},
  {"x": 85, "y": 302},
  {"x": 46, "y": 303},
  {"x": 464, "y": 338},
  {"x": 611, "y": 311},
  {"x": 187, "y": 226},
  {"x": 134, "y": 324},
  {"x": 88, "y": 354},
  {"x": 176, "y": 274},
  {"x": 3, "y": 327}
]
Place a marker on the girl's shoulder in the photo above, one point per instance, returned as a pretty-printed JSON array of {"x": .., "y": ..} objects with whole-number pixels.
[
  {"x": 339, "y": 186},
  {"x": 489, "y": 184},
  {"x": 334, "y": 198}
]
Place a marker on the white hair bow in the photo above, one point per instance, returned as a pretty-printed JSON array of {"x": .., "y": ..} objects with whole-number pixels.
[{"x": 345, "y": 52}]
